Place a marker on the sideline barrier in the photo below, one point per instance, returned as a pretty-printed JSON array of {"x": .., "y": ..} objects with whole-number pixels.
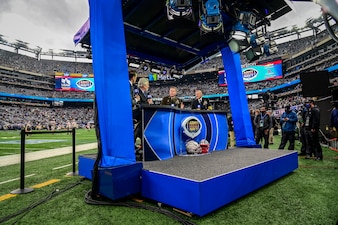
[
  {"x": 22, "y": 189},
  {"x": 333, "y": 145},
  {"x": 332, "y": 142}
]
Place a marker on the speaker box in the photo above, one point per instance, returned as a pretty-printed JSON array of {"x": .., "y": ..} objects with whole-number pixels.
[{"x": 315, "y": 84}]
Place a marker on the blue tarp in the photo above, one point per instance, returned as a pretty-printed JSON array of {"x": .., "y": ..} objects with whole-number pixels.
[
  {"x": 238, "y": 101},
  {"x": 332, "y": 68},
  {"x": 112, "y": 92}
]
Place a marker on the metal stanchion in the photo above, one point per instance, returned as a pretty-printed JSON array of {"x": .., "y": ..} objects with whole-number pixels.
[
  {"x": 22, "y": 189},
  {"x": 73, "y": 173}
]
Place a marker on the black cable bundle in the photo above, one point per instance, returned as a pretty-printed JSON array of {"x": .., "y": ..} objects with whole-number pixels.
[
  {"x": 32, "y": 206},
  {"x": 95, "y": 174},
  {"x": 131, "y": 204}
]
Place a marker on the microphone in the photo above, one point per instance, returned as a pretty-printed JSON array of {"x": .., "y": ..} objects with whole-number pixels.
[{"x": 149, "y": 96}]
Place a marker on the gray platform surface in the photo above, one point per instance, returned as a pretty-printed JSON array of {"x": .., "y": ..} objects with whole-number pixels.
[{"x": 206, "y": 166}]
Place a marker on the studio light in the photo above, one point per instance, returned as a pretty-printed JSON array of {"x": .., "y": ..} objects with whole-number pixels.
[
  {"x": 145, "y": 66},
  {"x": 177, "y": 76},
  {"x": 155, "y": 70},
  {"x": 179, "y": 9},
  {"x": 182, "y": 3},
  {"x": 134, "y": 65},
  {"x": 248, "y": 19},
  {"x": 238, "y": 39},
  {"x": 172, "y": 70},
  {"x": 243, "y": 39},
  {"x": 89, "y": 54},
  {"x": 239, "y": 35},
  {"x": 270, "y": 47},
  {"x": 257, "y": 38},
  {"x": 210, "y": 17},
  {"x": 254, "y": 53}
]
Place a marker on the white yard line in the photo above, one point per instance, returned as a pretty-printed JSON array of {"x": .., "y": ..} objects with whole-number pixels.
[
  {"x": 60, "y": 167},
  {"x": 7, "y": 181},
  {"x": 32, "y": 156},
  {"x": 7, "y": 153}
]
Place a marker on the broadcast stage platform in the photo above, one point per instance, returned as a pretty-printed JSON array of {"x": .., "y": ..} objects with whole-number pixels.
[{"x": 202, "y": 183}]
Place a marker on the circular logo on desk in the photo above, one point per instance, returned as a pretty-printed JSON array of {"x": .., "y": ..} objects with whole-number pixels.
[{"x": 192, "y": 126}]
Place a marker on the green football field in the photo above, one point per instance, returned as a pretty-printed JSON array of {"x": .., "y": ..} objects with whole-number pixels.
[
  {"x": 306, "y": 196},
  {"x": 10, "y": 141}
]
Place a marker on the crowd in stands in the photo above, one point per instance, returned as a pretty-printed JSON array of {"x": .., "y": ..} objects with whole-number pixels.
[
  {"x": 16, "y": 117},
  {"x": 43, "y": 66},
  {"x": 12, "y": 89},
  {"x": 314, "y": 58}
]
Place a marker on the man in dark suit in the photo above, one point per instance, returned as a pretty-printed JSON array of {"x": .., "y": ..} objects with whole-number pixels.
[
  {"x": 135, "y": 98},
  {"x": 144, "y": 99},
  {"x": 199, "y": 102},
  {"x": 263, "y": 125},
  {"x": 143, "y": 92},
  {"x": 314, "y": 124}
]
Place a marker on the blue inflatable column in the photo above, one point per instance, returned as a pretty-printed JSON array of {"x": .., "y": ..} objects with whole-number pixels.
[
  {"x": 238, "y": 101},
  {"x": 111, "y": 83}
]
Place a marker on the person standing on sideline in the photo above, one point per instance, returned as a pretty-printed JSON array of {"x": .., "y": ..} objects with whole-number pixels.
[
  {"x": 252, "y": 117},
  {"x": 288, "y": 122},
  {"x": 314, "y": 128},
  {"x": 231, "y": 132},
  {"x": 271, "y": 131},
  {"x": 301, "y": 116},
  {"x": 334, "y": 120},
  {"x": 307, "y": 131},
  {"x": 199, "y": 102},
  {"x": 263, "y": 125}
]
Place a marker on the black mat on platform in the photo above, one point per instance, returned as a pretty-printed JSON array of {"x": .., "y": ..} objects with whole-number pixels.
[{"x": 202, "y": 167}]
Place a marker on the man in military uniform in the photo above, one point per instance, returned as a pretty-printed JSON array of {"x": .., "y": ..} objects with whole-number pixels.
[{"x": 172, "y": 99}]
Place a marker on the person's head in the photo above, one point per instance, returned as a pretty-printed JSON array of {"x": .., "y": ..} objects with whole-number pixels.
[
  {"x": 172, "y": 91},
  {"x": 143, "y": 84},
  {"x": 307, "y": 104},
  {"x": 198, "y": 94},
  {"x": 312, "y": 103},
  {"x": 335, "y": 104},
  {"x": 263, "y": 110},
  {"x": 132, "y": 76},
  {"x": 288, "y": 108}
]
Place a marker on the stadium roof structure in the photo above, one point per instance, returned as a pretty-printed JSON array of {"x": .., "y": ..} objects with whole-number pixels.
[{"x": 151, "y": 36}]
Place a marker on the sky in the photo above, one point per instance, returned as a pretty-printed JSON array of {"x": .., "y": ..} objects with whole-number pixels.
[{"x": 52, "y": 24}]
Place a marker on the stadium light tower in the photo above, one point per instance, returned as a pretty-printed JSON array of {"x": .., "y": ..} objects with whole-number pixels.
[{"x": 329, "y": 12}]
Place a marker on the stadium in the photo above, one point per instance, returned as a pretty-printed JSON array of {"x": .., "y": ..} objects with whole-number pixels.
[{"x": 32, "y": 94}]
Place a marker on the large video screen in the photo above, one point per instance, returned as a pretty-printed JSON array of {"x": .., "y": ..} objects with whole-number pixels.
[
  {"x": 255, "y": 73},
  {"x": 74, "y": 82}
]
